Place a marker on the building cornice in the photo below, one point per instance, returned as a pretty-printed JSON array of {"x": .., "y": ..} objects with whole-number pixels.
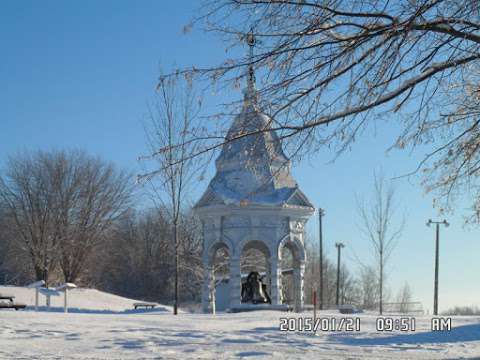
[{"x": 252, "y": 210}]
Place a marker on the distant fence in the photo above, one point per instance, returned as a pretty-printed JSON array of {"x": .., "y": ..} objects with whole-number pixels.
[{"x": 404, "y": 308}]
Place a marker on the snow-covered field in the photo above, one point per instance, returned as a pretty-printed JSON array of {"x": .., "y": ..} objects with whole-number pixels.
[
  {"x": 79, "y": 300},
  {"x": 159, "y": 334}
]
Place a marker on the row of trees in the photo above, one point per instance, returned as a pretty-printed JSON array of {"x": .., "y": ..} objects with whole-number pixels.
[
  {"x": 364, "y": 287},
  {"x": 361, "y": 289},
  {"x": 68, "y": 216},
  {"x": 134, "y": 255},
  {"x": 57, "y": 206},
  {"x": 67, "y": 213},
  {"x": 138, "y": 260}
]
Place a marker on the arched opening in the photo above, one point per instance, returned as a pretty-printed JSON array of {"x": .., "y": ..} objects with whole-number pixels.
[
  {"x": 219, "y": 287},
  {"x": 255, "y": 258}
]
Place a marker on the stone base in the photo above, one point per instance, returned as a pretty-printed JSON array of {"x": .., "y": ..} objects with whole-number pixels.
[{"x": 256, "y": 307}]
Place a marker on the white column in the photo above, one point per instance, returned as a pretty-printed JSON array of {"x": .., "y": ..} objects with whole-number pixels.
[
  {"x": 298, "y": 275},
  {"x": 302, "y": 285},
  {"x": 276, "y": 290},
  {"x": 235, "y": 282}
]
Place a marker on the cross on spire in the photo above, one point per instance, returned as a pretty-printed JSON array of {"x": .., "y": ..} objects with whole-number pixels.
[{"x": 250, "y": 93}]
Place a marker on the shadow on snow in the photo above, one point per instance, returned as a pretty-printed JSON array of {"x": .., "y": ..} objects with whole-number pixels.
[
  {"x": 464, "y": 333},
  {"x": 73, "y": 310}
]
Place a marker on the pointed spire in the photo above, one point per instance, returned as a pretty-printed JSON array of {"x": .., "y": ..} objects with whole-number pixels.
[{"x": 250, "y": 93}]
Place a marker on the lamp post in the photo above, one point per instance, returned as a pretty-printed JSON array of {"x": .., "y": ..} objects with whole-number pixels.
[
  {"x": 339, "y": 247},
  {"x": 321, "y": 213},
  {"x": 437, "y": 241}
]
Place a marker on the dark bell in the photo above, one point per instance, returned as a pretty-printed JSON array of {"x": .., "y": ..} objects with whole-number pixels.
[{"x": 254, "y": 291}]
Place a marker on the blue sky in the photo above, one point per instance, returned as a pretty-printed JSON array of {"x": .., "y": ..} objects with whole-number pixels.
[{"x": 80, "y": 74}]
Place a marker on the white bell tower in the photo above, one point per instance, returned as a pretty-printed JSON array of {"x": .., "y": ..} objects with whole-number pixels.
[{"x": 253, "y": 203}]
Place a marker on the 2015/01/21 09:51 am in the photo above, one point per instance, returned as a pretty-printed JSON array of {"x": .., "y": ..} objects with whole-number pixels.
[{"x": 345, "y": 324}]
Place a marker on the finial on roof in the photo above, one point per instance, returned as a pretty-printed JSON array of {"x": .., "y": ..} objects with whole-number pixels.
[{"x": 250, "y": 92}]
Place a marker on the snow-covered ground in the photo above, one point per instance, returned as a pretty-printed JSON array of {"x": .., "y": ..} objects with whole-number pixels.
[
  {"x": 79, "y": 300},
  {"x": 124, "y": 335}
]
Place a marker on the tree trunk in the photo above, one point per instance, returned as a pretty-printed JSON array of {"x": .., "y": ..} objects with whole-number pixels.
[
  {"x": 381, "y": 284},
  {"x": 175, "y": 241},
  {"x": 39, "y": 273},
  {"x": 70, "y": 278}
]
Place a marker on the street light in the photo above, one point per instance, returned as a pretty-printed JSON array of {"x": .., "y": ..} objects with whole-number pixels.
[
  {"x": 339, "y": 247},
  {"x": 437, "y": 241}
]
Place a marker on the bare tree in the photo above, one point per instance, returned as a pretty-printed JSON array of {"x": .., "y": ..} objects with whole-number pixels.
[
  {"x": 61, "y": 204},
  {"x": 14, "y": 261},
  {"x": 4, "y": 245},
  {"x": 404, "y": 298},
  {"x": 174, "y": 119},
  {"x": 138, "y": 248},
  {"x": 92, "y": 195},
  {"x": 219, "y": 271},
  {"x": 369, "y": 288},
  {"x": 345, "y": 63},
  {"x": 190, "y": 255},
  {"x": 349, "y": 289},
  {"x": 471, "y": 310},
  {"x": 378, "y": 225},
  {"x": 144, "y": 250},
  {"x": 27, "y": 195}
]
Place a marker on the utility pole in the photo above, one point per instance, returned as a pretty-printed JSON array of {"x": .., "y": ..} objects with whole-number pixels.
[
  {"x": 321, "y": 213},
  {"x": 437, "y": 243},
  {"x": 339, "y": 247}
]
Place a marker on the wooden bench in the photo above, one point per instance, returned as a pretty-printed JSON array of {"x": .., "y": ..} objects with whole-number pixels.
[
  {"x": 145, "y": 305},
  {"x": 15, "y": 306},
  {"x": 10, "y": 304}
]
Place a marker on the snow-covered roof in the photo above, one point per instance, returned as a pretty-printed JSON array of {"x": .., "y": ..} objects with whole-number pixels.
[{"x": 253, "y": 169}]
